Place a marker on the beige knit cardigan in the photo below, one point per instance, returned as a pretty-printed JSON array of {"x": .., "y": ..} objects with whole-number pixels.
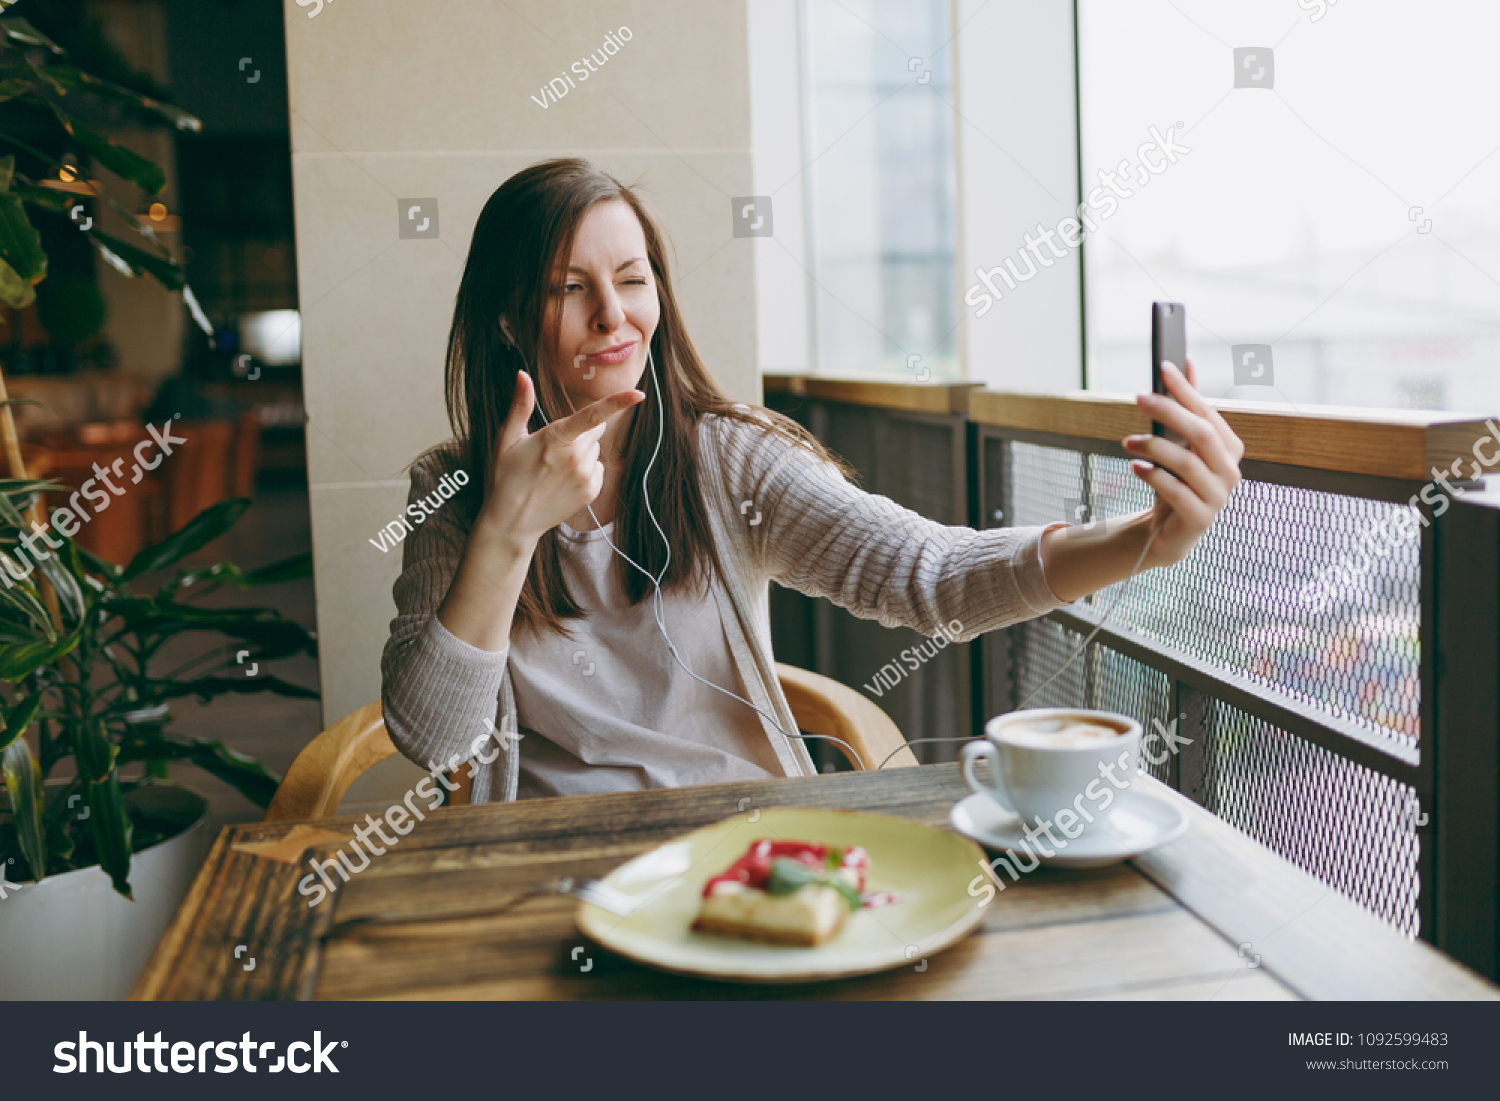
[{"x": 816, "y": 533}]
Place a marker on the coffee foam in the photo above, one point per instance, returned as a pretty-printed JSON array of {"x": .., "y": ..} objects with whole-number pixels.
[{"x": 1058, "y": 733}]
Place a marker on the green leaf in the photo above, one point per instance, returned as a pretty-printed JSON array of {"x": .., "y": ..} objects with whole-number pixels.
[
  {"x": 273, "y": 636},
  {"x": 205, "y": 688},
  {"x": 64, "y": 583},
  {"x": 7, "y": 165},
  {"x": 129, "y": 260},
  {"x": 19, "y": 30},
  {"x": 272, "y": 639},
  {"x": 249, "y": 777},
  {"x": 144, "y": 609},
  {"x": 21, "y": 596},
  {"x": 11, "y": 88},
  {"x": 59, "y": 831},
  {"x": 788, "y": 875},
  {"x": 46, "y": 78},
  {"x": 125, "y": 163},
  {"x": 22, "y": 487},
  {"x": 17, "y": 661},
  {"x": 20, "y": 244},
  {"x": 58, "y": 202},
  {"x": 201, "y": 530},
  {"x": 19, "y": 717},
  {"x": 97, "y": 564},
  {"x": 71, "y": 77},
  {"x": 111, "y": 828},
  {"x": 92, "y": 749},
  {"x": 15, "y": 292},
  {"x": 23, "y": 783},
  {"x": 288, "y": 569},
  {"x": 851, "y": 896}
]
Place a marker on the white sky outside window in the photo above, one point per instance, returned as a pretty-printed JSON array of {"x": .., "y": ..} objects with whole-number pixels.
[{"x": 1346, "y": 217}]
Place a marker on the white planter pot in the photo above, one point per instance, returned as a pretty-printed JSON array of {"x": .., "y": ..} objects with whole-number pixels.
[{"x": 71, "y": 937}]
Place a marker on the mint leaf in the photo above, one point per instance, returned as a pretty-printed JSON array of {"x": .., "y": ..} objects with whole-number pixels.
[
  {"x": 851, "y": 896},
  {"x": 788, "y": 875}
]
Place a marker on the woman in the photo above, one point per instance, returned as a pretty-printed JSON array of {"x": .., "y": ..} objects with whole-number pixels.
[{"x": 525, "y": 642}]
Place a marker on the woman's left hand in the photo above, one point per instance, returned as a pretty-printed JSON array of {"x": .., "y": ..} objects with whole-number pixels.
[{"x": 1209, "y": 466}]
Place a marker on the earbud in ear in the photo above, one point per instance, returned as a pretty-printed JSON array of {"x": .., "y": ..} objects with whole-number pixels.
[{"x": 510, "y": 337}]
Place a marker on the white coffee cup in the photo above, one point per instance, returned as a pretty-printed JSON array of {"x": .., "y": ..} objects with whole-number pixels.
[{"x": 1040, "y": 770}]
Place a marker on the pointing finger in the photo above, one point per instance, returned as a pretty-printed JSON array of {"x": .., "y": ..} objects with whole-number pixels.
[{"x": 594, "y": 416}]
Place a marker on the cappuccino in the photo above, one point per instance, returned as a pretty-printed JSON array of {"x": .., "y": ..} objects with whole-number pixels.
[
  {"x": 1061, "y": 733},
  {"x": 1043, "y": 763}
]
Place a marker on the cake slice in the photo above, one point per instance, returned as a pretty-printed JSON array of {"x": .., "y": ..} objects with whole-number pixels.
[{"x": 785, "y": 892}]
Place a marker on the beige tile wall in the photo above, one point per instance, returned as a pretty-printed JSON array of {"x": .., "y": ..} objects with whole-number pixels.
[{"x": 392, "y": 99}]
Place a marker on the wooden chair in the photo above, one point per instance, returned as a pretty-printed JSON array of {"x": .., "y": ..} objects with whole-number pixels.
[{"x": 321, "y": 774}]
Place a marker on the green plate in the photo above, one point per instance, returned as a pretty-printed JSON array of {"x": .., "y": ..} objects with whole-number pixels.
[{"x": 928, "y": 870}]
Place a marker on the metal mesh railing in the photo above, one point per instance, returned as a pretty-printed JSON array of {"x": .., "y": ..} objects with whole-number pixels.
[
  {"x": 1285, "y": 589},
  {"x": 1350, "y": 826},
  {"x": 1249, "y": 601},
  {"x": 1125, "y": 686}
]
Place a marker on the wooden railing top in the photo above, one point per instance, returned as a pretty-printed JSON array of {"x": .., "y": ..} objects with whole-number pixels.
[
  {"x": 1382, "y": 443},
  {"x": 911, "y": 397}
]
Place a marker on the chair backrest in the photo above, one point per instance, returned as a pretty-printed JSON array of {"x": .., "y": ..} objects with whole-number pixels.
[
  {"x": 315, "y": 784},
  {"x": 320, "y": 775},
  {"x": 821, "y": 705}
]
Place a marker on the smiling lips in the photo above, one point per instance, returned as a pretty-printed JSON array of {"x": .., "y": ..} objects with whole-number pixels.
[{"x": 611, "y": 356}]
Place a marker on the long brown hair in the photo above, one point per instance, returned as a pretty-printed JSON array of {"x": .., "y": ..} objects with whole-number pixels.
[{"x": 524, "y": 231}]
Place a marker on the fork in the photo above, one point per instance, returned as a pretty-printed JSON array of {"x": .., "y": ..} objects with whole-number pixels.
[
  {"x": 585, "y": 890},
  {"x": 599, "y": 893}
]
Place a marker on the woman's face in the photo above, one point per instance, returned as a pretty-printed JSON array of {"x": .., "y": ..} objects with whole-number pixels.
[{"x": 609, "y": 306}]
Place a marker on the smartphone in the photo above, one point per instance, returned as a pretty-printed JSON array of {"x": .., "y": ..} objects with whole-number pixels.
[{"x": 1168, "y": 345}]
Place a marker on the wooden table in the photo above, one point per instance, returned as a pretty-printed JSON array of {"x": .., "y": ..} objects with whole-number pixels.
[{"x": 1213, "y": 915}]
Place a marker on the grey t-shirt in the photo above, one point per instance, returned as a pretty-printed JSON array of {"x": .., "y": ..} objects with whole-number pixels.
[{"x": 608, "y": 709}]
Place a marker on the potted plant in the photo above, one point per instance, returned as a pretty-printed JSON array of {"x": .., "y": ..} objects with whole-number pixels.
[
  {"x": 95, "y": 848},
  {"x": 79, "y": 682}
]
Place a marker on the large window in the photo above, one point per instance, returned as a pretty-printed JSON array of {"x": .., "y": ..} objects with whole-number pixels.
[
  {"x": 878, "y": 142},
  {"x": 1332, "y": 228}
]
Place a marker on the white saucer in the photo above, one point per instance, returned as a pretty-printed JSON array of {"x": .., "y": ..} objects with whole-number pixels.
[{"x": 1137, "y": 823}]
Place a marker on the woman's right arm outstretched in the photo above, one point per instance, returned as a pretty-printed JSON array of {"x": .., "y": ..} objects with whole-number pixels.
[{"x": 457, "y": 594}]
